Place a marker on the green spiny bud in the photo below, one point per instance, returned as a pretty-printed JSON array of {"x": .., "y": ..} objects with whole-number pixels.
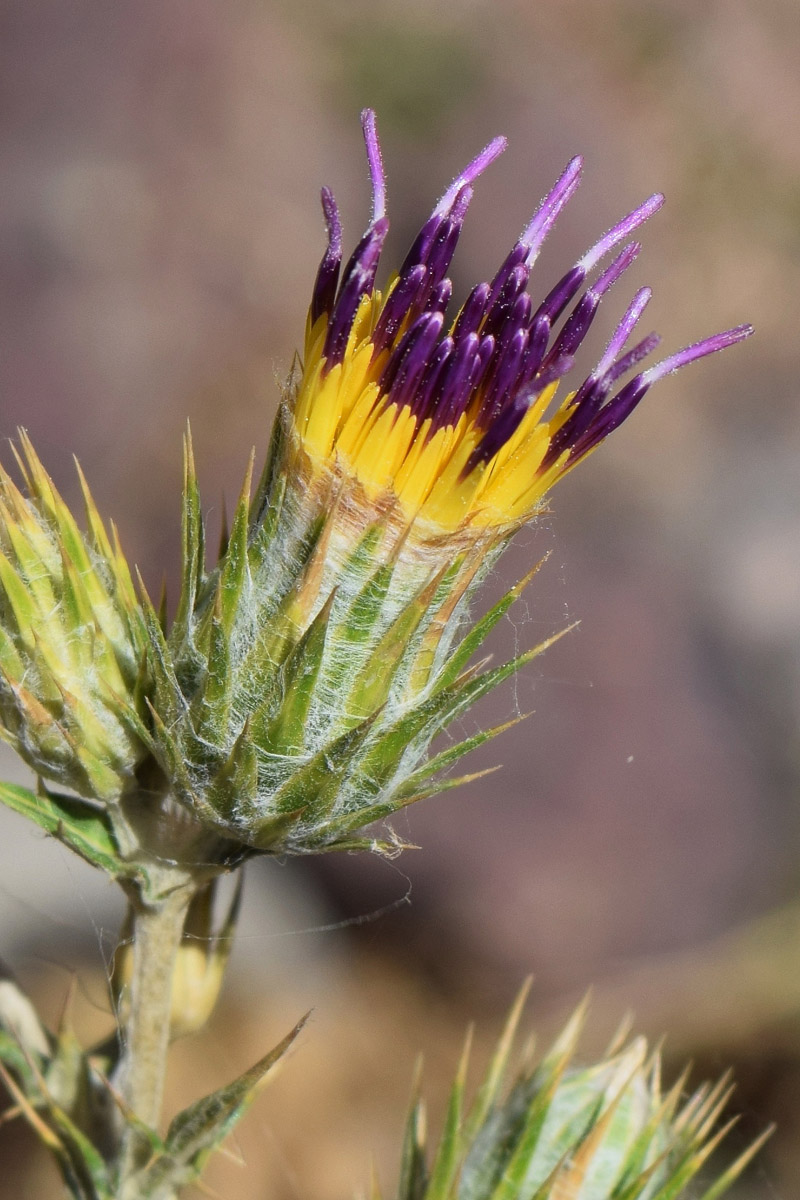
[
  {"x": 72, "y": 639},
  {"x": 564, "y": 1132}
]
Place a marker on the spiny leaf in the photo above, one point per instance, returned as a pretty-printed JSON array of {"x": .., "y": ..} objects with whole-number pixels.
[
  {"x": 236, "y": 782},
  {"x": 287, "y": 732},
  {"x": 377, "y": 676},
  {"x": 19, "y": 599},
  {"x": 313, "y": 787},
  {"x": 470, "y": 644},
  {"x": 353, "y": 632},
  {"x": 446, "y": 758},
  {"x": 489, "y": 1092},
  {"x": 63, "y": 522},
  {"x": 278, "y": 623},
  {"x": 168, "y": 697},
  {"x": 359, "y": 817},
  {"x": 83, "y": 827},
  {"x": 268, "y": 498},
  {"x": 20, "y": 1062},
  {"x": 413, "y": 1168},
  {"x": 199, "y": 1130},
  {"x": 235, "y": 567},
  {"x": 733, "y": 1172},
  {"x": 82, "y": 1165},
  {"x": 543, "y": 1086},
  {"x": 193, "y": 546},
  {"x": 434, "y": 714},
  {"x": 211, "y": 705},
  {"x": 446, "y": 1163}
]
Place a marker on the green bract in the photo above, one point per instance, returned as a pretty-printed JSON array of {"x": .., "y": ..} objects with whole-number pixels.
[{"x": 303, "y": 680}]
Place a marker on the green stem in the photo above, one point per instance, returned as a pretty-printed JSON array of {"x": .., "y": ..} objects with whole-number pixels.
[{"x": 157, "y": 932}]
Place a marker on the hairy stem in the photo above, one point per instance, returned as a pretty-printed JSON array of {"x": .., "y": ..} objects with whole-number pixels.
[{"x": 157, "y": 931}]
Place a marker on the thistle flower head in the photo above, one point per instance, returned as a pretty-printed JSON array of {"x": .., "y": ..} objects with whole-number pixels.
[{"x": 304, "y": 679}]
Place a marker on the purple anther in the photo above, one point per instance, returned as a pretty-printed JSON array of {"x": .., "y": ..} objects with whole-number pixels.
[
  {"x": 537, "y": 348},
  {"x": 397, "y": 306},
  {"x": 516, "y": 317},
  {"x": 500, "y": 430},
  {"x": 620, "y": 231},
  {"x": 420, "y": 247},
  {"x": 440, "y": 297},
  {"x": 451, "y": 396},
  {"x": 471, "y": 173},
  {"x": 423, "y": 405},
  {"x": 367, "y": 252},
  {"x": 486, "y": 350},
  {"x": 375, "y": 161},
  {"x": 402, "y": 350},
  {"x": 411, "y": 368},
  {"x": 579, "y": 322},
  {"x": 622, "y": 405},
  {"x": 547, "y": 214},
  {"x": 586, "y": 403},
  {"x": 521, "y": 310},
  {"x": 719, "y": 341},
  {"x": 627, "y": 362},
  {"x": 461, "y": 204},
  {"x": 515, "y": 284},
  {"x": 324, "y": 292},
  {"x": 504, "y": 377},
  {"x": 565, "y": 290},
  {"x": 550, "y": 372},
  {"x": 359, "y": 278},
  {"x": 473, "y": 311},
  {"x": 516, "y": 256},
  {"x": 612, "y": 273},
  {"x": 624, "y": 330},
  {"x": 441, "y": 252},
  {"x": 610, "y": 417},
  {"x": 482, "y": 359}
]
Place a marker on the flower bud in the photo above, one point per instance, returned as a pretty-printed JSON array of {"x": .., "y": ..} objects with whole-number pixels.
[
  {"x": 72, "y": 640},
  {"x": 565, "y": 1132}
]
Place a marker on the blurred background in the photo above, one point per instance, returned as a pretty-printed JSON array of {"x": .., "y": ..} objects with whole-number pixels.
[{"x": 159, "y": 233}]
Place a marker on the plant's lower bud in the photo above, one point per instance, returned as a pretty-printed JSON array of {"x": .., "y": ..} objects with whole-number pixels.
[
  {"x": 562, "y": 1132},
  {"x": 199, "y": 968},
  {"x": 72, "y": 640}
]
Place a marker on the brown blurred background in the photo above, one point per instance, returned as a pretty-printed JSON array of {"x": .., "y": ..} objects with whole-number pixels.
[{"x": 159, "y": 231}]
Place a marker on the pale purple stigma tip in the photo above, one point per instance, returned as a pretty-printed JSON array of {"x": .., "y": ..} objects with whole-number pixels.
[
  {"x": 710, "y": 345},
  {"x": 470, "y": 173},
  {"x": 616, "y": 269},
  {"x": 462, "y": 203},
  {"x": 621, "y": 230},
  {"x": 547, "y": 213},
  {"x": 624, "y": 330},
  {"x": 333, "y": 222},
  {"x": 375, "y": 161}
]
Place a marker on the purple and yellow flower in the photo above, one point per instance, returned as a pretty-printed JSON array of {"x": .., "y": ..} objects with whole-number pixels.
[
  {"x": 305, "y": 678},
  {"x": 465, "y": 421}
]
